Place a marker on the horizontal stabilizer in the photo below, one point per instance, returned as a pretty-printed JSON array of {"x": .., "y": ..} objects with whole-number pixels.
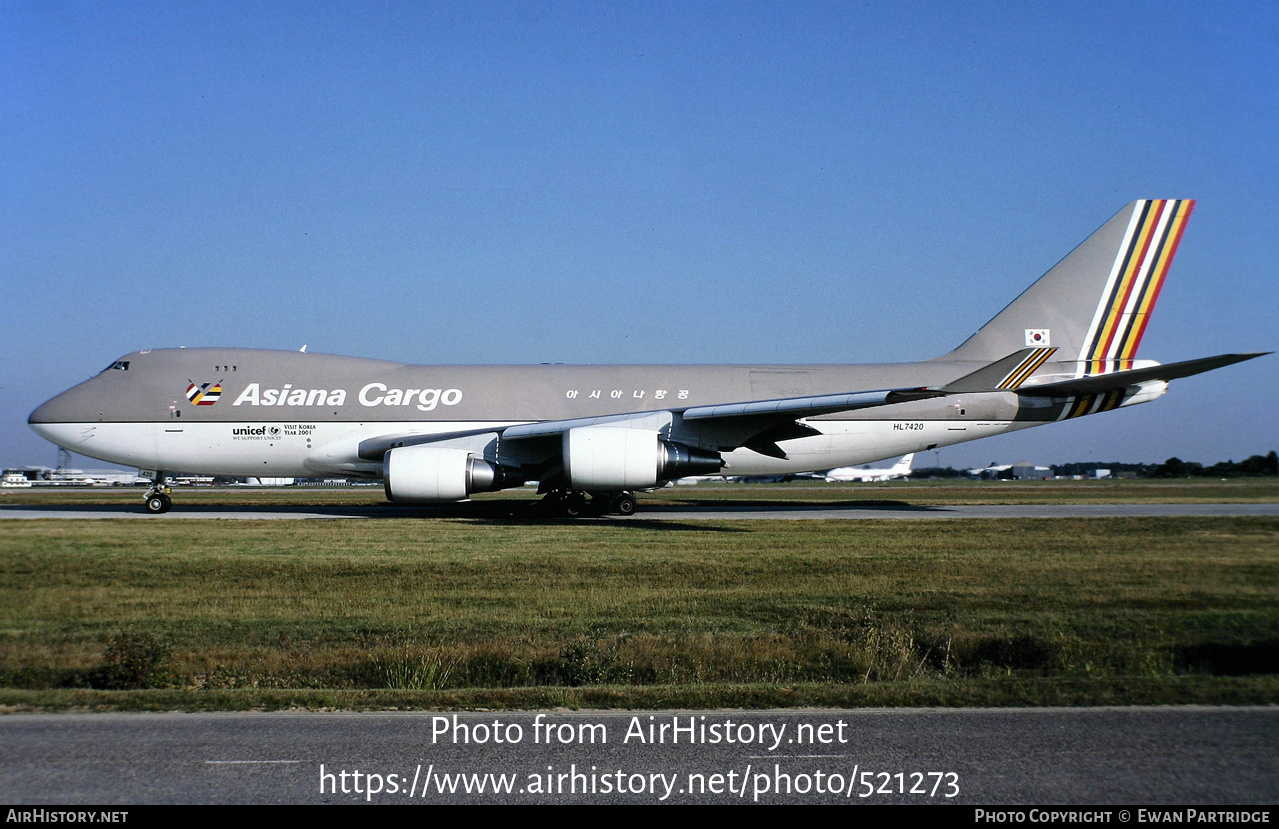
[{"x": 1122, "y": 379}]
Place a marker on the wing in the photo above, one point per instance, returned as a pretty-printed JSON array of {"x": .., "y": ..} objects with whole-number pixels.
[{"x": 755, "y": 424}]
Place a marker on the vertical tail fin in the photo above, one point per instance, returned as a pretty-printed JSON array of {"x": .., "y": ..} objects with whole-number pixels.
[
  {"x": 1093, "y": 305},
  {"x": 1134, "y": 287}
]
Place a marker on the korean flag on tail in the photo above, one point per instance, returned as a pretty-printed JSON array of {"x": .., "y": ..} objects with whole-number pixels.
[{"x": 1037, "y": 338}]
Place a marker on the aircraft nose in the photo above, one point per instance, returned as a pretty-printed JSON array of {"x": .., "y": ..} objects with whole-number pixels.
[
  {"x": 44, "y": 419},
  {"x": 43, "y": 413},
  {"x": 72, "y": 406},
  {"x": 78, "y": 404},
  {"x": 61, "y": 419}
]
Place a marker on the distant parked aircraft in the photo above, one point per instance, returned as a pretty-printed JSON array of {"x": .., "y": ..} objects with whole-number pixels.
[
  {"x": 997, "y": 471},
  {"x": 901, "y": 469}
]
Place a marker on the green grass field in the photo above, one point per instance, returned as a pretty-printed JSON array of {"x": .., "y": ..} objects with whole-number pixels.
[{"x": 198, "y": 614}]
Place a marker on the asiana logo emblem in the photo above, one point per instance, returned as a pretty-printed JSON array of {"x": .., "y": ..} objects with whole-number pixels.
[{"x": 204, "y": 395}]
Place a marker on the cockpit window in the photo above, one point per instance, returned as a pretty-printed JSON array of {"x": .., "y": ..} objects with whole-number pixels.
[{"x": 118, "y": 365}]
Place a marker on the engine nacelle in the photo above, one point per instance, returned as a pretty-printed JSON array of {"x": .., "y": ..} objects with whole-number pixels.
[
  {"x": 434, "y": 475},
  {"x": 616, "y": 458}
]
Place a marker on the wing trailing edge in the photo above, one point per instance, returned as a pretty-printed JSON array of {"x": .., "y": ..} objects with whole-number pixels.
[{"x": 793, "y": 407}]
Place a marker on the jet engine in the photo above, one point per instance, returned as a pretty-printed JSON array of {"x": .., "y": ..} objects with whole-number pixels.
[
  {"x": 614, "y": 458},
  {"x": 432, "y": 474}
]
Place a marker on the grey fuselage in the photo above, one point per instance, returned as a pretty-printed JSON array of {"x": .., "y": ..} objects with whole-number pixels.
[{"x": 293, "y": 413}]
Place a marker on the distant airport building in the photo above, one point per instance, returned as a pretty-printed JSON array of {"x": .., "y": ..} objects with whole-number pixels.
[
  {"x": 1022, "y": 471},
  {"x": 26, "y": 476},
  {"x": 1027, "y": 471}
]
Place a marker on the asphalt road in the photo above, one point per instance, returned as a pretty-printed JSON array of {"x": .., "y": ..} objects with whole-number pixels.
[
  {"x": 1147, "y": 756},
  {"x": 656, "y": 512}
]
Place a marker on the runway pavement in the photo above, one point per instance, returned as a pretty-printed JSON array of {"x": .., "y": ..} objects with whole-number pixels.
[
  {"x": 656, "y": 512},
  {"x": 1144, "y": 756}
]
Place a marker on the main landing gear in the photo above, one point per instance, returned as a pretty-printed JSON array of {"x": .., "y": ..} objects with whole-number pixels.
[
  {"x": 157, "y": 499},
  {"x": 575, "y": 504}
]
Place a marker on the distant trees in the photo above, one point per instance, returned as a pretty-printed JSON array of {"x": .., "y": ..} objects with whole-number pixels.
[
  {"x": 937, "y": 472},
  {"x": 1254, "y": 465},
  {"x": 1088, "y": 469}
]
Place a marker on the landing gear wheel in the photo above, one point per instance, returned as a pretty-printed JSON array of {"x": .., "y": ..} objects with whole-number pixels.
[
  {"x": 624, "y": 504},
  {"x": 159, "y": 503},
  {"x": 574, "y": 505}
]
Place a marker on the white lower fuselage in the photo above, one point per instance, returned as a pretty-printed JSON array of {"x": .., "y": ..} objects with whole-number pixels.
[{"x": 301, "y": 449}]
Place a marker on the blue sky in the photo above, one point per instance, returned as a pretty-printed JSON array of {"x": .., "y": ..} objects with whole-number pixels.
[{"x": 632, "y": 183}]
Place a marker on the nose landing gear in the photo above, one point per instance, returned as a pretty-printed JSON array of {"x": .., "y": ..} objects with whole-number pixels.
[
  {"x": 157, "y": 499},
  {"x": 158, "y": 502}
]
